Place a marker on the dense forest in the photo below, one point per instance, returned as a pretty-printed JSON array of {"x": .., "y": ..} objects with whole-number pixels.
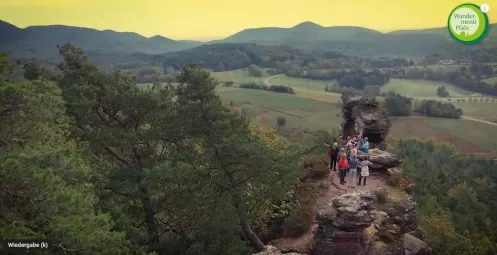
[
  {"x": 455, "y": 195},
  {"x": 100, "y": 167}
]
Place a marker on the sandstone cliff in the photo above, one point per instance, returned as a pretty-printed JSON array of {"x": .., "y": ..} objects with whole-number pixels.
[
  {"x": 383, "y": 221},
  {"x": 362, "y": 115}
]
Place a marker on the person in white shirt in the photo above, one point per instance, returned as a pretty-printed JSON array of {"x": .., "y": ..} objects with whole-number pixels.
[{"x": 365, "y": 163}]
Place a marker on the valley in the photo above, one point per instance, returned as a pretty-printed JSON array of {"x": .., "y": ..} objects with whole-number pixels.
[{"x": 119, "y": 143}]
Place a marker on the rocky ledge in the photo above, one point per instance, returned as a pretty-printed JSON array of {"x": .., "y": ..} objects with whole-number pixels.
[
  {"x": 377, "y": 222},
  {"x": 382, "y": 160}
]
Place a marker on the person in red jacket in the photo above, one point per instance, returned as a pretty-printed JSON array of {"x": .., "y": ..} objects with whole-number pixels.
[
  {"x": 343, "y": 164},
  {"x": 333, "y": 153}
]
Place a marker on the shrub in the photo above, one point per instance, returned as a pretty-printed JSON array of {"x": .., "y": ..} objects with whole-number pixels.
[
  {"x": 382, "y": 194},
  {"x": 398, "y": 105},
  {"x": 438, "y": 109},
  {"x": 255, "y": 71},
  {"x": 298, "y": 221},
  {"x": 281, "y": 121},
  {"x": 394, "y": 180},
  {"x": 252, "y": 85},
  {"x": 442, "y": 92},
  {"x": 281, "y": 89},
  {"x": 273, "y": 88},
  {"x": 318, "y": 173},
  {"x": 228, "y": 83}
]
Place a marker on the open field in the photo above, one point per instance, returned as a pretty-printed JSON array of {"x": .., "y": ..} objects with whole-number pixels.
[
  {"x": 303, "y": 115},
  {"x": 467, "y": 136},
  {"x": 312, "y": 109},
  {"x": 422, "y": 88},
  {"x": 492, "y": 80},
  {"x": 481, "y": 110},
  {"x": 300, "y": 84},
  {"x": 238, "y": 76}
]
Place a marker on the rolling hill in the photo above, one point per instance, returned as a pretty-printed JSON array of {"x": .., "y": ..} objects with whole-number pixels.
[
  {"x": 220, "y": 57},
  {"x": 358, "y": 41},
  {"x": 40, "y": 41},
  {"x": 307, "y": 30}
]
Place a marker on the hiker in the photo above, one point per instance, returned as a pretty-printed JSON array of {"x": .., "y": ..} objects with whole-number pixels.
[
  {"x": 364, "y": 171},
  {"x": 333, "y": 153},
  {"x": 342, "y": 168},
  {"x": 365, "y": 146},
  {"x": 346, "y": 142},
  {"x": 354, "y": 142},
  {"x": 341, "y": 153},
  {"x": 360, "y": 142},
  {"x": 353, "y": 152},
  {"x": 353, "y": 170}
]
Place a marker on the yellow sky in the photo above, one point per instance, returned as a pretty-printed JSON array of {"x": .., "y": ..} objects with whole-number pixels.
[{"x": 209, "y": 19}]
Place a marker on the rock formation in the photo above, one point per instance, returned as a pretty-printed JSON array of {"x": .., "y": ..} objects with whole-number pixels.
[
  {"x": 360, "y": 223},
  {"x": 382, "y": 160},
  {"x": 342, "y": 225},
  {"x": 271, "y": 250},
  {"x": 362, "y": 115}
]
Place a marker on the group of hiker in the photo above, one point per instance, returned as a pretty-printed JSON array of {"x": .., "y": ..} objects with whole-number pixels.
[{"x": 347, "y": 161}]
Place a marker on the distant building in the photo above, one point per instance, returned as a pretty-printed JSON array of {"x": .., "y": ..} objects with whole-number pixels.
[{"x": 447, "y": 62}]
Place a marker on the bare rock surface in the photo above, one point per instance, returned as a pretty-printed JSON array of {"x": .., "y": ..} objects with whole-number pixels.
[
  {"x": 271, "y": 250},
  {"x": 415, "y": 246},
  {"x": 362, "y": 115},
  {"x": 343, "y": 223}
]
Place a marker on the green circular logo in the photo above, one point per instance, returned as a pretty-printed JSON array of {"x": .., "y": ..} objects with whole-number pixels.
[{"x": 467, "y": 24}]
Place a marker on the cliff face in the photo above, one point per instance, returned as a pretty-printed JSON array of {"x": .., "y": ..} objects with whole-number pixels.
[
  {"x": 362, "y": 115},
  {"x": 377, "y": 222}
]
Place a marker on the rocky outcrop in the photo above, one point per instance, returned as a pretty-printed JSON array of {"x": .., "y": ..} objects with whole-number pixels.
[
  {"x": 362, "y": 115},
  {"x": 360, "y": 223},
  {"x": 367, "y": 223},
  {"x": 382, "y": 159},
  {"x": 271, "y": 250},
  {"x": 415, "y": 246},
  {"x": 401, "y": 215},
  {"x": 343, "y": 223}
]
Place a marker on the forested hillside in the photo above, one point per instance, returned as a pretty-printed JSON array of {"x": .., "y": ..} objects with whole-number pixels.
[
  {"x": 455, "y": 195},
  {"x": 40, "y": 41},
  {"x": 99, "y": 166}
]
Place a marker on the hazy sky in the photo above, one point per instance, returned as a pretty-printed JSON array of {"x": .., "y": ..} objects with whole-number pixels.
[{"x": 210, "y": 19}]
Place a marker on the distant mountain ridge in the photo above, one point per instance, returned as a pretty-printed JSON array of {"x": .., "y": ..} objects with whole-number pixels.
[
  {"x": 358, "y": 41},
  {"x": 303, "y": 31},
  {"x": 40, "y": 41}
]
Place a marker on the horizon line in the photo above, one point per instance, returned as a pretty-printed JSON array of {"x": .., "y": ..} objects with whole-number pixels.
[{"x": 214, "y": 38}]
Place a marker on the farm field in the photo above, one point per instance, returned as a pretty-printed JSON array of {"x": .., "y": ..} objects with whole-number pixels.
[
  {"x": 312, "y": 109},
  {"x": 492, "y": 80},
  {"x": 300, "y": 84},
  {"x": 422, "y": 88},
  {"x": 303, "y": 115},
  {"x": 467, "y": 136},
  {"x": 238, "y": 76},
  {"x": 481, "y": 110}
]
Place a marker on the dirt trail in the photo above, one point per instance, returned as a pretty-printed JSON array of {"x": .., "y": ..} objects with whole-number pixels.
[
  {"x": 478, "y": 120},
  {"x": 266, "y": 81},
  {"x": 303, "y": 243}
]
